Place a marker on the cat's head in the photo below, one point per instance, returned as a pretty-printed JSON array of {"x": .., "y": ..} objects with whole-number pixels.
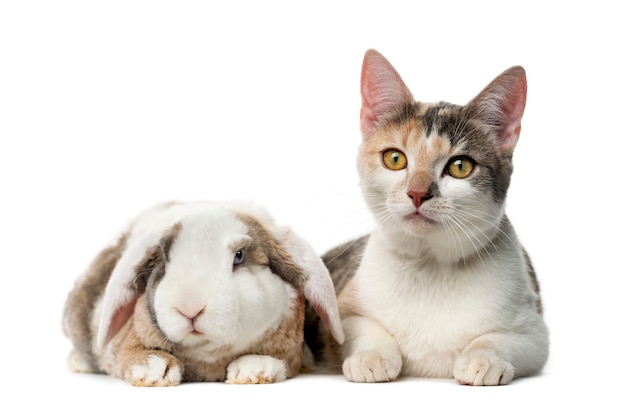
[{"x": 437, "y": 171}]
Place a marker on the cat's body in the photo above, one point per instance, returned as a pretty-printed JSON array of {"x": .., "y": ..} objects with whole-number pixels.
[{"x": 443, "y": 287}]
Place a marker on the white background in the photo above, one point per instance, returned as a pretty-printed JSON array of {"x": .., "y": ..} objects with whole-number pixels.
[{"x": 108, "y": 107}]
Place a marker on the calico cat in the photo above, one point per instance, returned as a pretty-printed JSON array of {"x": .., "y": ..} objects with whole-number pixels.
[{"x": 442, "y": 286}]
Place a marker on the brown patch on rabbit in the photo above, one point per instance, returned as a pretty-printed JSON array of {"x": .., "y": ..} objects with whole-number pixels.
[
  {"x": 140, "y": 354},
  {"x": 265, "y": 250},
  {"x": 281, "y": 342},
  {"x": 78, "y": 317},
  {"x": 268, "y": 251}
]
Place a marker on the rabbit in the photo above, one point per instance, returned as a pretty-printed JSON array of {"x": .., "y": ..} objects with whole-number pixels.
[{"x": 199, "y": 291}]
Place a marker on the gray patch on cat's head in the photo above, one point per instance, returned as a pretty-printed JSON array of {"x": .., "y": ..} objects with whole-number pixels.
[
  {"x": 433, "y": 190},
  {"x": 442, "y": 118},
  {"x": 475, "y": 139},
  {"x": 482, "y": 140},
  {"x": 402, "y": 114}
]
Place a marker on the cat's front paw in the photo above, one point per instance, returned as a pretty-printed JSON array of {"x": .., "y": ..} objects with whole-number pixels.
[
  {"x": 371, "y": 367},
  {"x": 482, "y": 368},
  {"x": 256, "y": 369},
  {"x": 155, "y": 370}
]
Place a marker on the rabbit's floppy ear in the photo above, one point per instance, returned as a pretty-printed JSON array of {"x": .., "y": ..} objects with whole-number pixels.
[
  {"x": 295, "y": 260},
  {"x": 127, "y": 282}
]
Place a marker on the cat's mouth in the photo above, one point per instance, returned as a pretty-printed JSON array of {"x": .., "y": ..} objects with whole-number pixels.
[{"x": 418, "y": 218}]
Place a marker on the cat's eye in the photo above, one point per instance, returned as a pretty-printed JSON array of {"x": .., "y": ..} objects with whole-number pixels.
[
  {"x": 394, "y": 159},
  {"x": 460, "y": 167},
  {"x": 239, "y": 255}
]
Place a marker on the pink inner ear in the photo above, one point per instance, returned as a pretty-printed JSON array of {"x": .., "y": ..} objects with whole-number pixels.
[
  {"x": 382, "y": 90},
  {"x": 514, "y": 110},
  {"x": 118, "y": 320},
  {"x": 321, "y": 294},
  {"x": 120, "y": 296}
]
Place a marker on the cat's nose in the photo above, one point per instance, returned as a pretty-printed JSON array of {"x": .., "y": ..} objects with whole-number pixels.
[{"x": 418, "y": 197}]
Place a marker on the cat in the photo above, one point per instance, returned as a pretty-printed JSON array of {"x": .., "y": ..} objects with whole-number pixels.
[{"x": 441, "y": 287}]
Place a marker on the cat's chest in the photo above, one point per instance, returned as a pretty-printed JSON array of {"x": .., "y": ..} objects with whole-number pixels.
[{"x": 427, "y": 307}]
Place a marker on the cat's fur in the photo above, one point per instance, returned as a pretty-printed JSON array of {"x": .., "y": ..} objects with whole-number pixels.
[{"x": 443, "y": 287}]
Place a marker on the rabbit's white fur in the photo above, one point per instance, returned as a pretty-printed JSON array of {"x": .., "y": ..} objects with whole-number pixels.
[{"x": 178, "y": 307}]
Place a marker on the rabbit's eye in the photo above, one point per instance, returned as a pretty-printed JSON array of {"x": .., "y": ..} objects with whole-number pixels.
[{"x": 239, "y": 255}]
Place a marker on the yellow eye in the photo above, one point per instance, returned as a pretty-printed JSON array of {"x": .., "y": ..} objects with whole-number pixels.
[
  {"x": 460, "y": 167},
  {"x": 394, "y": 159}
]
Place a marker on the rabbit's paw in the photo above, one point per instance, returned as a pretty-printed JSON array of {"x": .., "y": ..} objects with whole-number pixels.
[
  {"x": 372, "y": 367},
  {"x": 156, "y": 370},
  {"x": 76, "y": 362},
  {"x": 256, "y": 369},
  {"x": 482, "y": 368}
]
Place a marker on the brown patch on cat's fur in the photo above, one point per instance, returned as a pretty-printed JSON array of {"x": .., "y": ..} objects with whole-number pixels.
[
  {"x": 348, "y": 302},
  {"x": 409, "y": 135},
  {"x": 79, "y": 308}
]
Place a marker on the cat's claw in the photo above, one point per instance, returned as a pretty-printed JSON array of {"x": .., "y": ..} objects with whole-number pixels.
[
  {"x": 371, "y": 367},
  {"x": 482, "y": 368}
]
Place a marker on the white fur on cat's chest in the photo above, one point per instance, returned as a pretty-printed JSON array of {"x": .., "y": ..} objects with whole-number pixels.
[{"x": 432, "y": 312}]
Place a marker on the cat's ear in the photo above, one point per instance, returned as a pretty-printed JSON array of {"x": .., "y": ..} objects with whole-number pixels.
[
  {"x": 501, "y": 104},
  {"x": 382, "y": 91}
]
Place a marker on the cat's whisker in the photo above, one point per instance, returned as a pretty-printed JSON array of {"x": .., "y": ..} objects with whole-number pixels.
[
  {"x": 482, "y": 212},
  {"x": 463, "y": 215},
  {"x": 379, "y": 210},
  {"x": 357, "y": 218},
  {"x": 468, "y": 234},
  {"x": 453, "y": 237},
  {"x": 497, "y": 234},
  {"x": 381, "y": 215},
  {"x": 458, "y": 231},
  {"x": 489, "y": 238},
  {"x": 479, "y": 217},
  {"x": 347, "y": 247},
  {"x": 382, "y": 219}
]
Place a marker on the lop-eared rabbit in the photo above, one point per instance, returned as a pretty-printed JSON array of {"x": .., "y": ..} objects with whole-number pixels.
[{"x": 198, "y": 291}]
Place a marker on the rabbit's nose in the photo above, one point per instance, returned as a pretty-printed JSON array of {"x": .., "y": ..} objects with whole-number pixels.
[{"x": 192, "y": 315}]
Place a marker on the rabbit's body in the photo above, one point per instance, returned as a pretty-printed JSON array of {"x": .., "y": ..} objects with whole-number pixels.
[{"x": 197, "y": 292}]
